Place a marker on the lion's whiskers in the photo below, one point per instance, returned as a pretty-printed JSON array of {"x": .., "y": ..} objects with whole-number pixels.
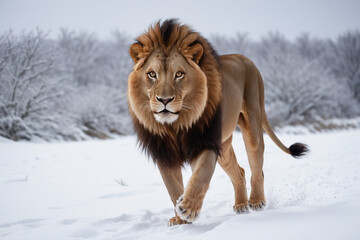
[
  {"x": 186, "y": 107},
  {"x": 146, "y": 107}
]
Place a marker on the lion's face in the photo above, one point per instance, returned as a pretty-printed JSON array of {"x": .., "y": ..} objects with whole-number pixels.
[{"x": 168, "y": 88}]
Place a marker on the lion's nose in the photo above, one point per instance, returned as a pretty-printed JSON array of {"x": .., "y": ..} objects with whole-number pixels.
[{"x": 165, "y": 100}]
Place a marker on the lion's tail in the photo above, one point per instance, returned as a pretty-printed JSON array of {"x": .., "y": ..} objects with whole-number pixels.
[{"x": 297, "y": 149}]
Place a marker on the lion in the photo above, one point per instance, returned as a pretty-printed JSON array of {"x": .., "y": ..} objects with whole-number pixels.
[{"x": 185, "y": 102}]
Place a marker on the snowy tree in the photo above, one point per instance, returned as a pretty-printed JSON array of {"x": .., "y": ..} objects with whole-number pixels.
[
  {"x": 230, "y": 45},
  {"x": 117, "y": 64},
  {"x": 91, "y": 61},
  {"x": 272, "y": 47},
  {"x": 345, "y": 61},
  {"x": 28, "y": 85},
  {"x": 299, "y": 89},
  {"x": 310, "y": 48},
  {"x": 81, "y": 56},
  {"x": 98, "y": 73}
]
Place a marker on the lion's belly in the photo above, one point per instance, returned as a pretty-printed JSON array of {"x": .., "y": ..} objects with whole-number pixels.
[
  {"x": 233, "y": 73},
  {"x": 231, "y": 108}
]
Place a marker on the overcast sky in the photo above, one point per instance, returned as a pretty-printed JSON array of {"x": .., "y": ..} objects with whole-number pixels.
[{"x": 320, "y": 18}]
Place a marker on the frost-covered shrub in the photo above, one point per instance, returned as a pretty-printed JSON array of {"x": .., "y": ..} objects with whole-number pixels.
[
  {"x": 99, "y": 111},
  {"x": 14, "y": 128}
]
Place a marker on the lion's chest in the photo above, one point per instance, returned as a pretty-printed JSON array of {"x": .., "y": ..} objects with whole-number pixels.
[{"x": 174, "y": 150}]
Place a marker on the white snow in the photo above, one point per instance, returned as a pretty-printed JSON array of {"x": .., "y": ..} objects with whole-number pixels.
[{"x": 109, "y": 190}]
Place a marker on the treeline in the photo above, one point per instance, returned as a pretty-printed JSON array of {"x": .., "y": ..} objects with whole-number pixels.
[
  {"x": 74, "y": 87},
  {"x": 308, "y": 81},
  {"x": 69, "y": 88}
]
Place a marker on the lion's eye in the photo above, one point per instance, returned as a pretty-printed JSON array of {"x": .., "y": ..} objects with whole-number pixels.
[
  {"x": 152, "y": 75},
  {"x": 179, "y": 75}
]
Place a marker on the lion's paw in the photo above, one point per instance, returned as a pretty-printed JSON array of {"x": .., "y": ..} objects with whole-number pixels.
[
  {"x": 187, "y": 210},
  {"x": 176, "y": 221},
  {"x": 241, "y": 208},
  {"x": 257, "y": 205}
]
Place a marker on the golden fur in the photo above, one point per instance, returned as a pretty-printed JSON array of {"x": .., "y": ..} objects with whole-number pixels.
[
  {"x": 206, "y": 90},
  {"x": 185, "y": 102}
]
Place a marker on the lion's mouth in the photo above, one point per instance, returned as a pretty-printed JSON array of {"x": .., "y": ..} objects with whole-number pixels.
[
  {"x": 165, "y": 111},
  {"x": 166, "y": 117}
]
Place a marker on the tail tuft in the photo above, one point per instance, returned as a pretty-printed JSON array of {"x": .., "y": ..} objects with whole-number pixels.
[{"x": 298, "y": 150}]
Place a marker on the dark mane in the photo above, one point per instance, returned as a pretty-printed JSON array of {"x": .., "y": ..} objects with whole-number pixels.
[
  {"x": 170, "y": 33},
  {"x": 176, "y": 149},
  {"x": 167, "y": 28}
]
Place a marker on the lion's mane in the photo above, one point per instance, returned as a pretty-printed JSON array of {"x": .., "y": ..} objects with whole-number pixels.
[{"x": 173, "y": 145}]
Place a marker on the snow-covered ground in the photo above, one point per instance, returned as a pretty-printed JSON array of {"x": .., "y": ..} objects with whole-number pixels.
[{"x": 109, "y": 190}]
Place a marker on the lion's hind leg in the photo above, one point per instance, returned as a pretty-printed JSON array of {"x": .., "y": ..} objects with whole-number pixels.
[
  {"x": 228, "y": 162},
  {"x": 251, "y": 128}
]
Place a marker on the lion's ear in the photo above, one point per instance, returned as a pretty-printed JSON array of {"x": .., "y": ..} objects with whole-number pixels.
[
  {"x": 138, "y": 55},
  {"x": 196, "y": 52},
  {"x": 135, "y": 50}
]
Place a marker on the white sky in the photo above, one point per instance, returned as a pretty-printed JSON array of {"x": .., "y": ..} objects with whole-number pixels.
[{"x": 320, "y": 18}]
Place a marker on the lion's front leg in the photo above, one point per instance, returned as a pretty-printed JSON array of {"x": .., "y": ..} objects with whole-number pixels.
[
  {"x": 188, "y": 205},
  {"x": 173, "y": 180}
]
